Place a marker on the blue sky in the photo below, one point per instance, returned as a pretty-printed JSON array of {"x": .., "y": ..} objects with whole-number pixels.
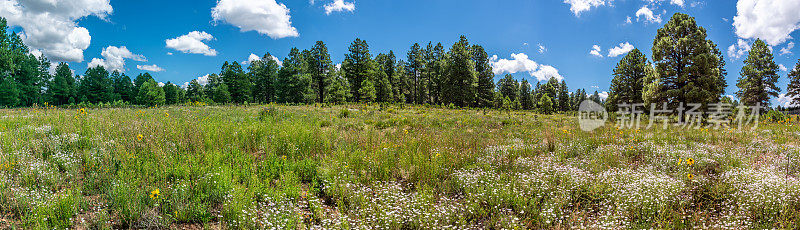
[{"x": 553, "y": 35}]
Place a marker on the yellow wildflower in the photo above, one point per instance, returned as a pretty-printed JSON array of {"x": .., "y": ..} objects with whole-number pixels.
[{"x": 155, "y": 194}]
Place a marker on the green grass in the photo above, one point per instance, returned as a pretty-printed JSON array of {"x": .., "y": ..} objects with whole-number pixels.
[{"x": 297, "y": 167}]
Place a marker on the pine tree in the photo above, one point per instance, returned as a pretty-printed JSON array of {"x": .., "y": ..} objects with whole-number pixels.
[
  {"x": 140, "y": 80},
  {"x": 292, "y": 84},
  {"x": 545, "y": 104},
  {"x": 628, "y": 82},
  {"x": 357, "y": 66},
  {"x": 508, "y": 87},
  {"x": 759, "y": 76},
  {"x": 151, "y": 94},
  {"x": 688, "y": 66},
  {"x": 794, "y": 84},
  {"x": 238, "y": 82},
  {"x": 264, "y": 72},
  {"x": 367, "y": 91},
  {"x": 9, "y": 94},
  {"x": 563, "y": 97},
  {"x": 414, "y": 70},
  {"x": 96, "y": 85},
  {"x": 338, "y": 89},
  {"x": 485, "y": 89},
  {"x": 319, "y": 67},
  {"x": 170, "y": 93},
  {"x": 62, "y": 88},
  {"x": 195, "y": 92},
  {"x": 525, "y": 98},
  {"x": 461, "y": 80}
]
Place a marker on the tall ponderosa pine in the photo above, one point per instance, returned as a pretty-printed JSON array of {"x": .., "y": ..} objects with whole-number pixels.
[
  {"x": 688, "y": 65},
  {"x": 195, "y": 92},
  {"x": 338, "y": 90},
  {"x": 293, "y": 84},
  {"x": 563, "y": 97},
  {"x": 9, "y": 94},
  {"x": 508, "y": 87},
  {"x": 123, "y": 87},
  {"x": 485, "y": 89},
  {"x": 151, "y": 94},
  {"x": 415, "y": 65},
  {"x": 461, "y": 80},
  {"x": 794, "y": 84},
  {"x": 96, "y": 85},
  {"x": 62, "y": 88},
  {"x": 525, "y": 99},
  {"x": 264, "y": 72},
  {"x": 759, "y": 76},
  {"x": 358, "y": 68},
  {"x": 319, "y": 67},
  {"x": 170, "y": 93},
  {"x": 238, "y": 82},
  {"x": 628, "y": 82}
]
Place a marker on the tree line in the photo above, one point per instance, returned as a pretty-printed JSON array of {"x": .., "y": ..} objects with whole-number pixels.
[
  {"x": 461, "y": 76},
  {"x": 687, "y": 68}
]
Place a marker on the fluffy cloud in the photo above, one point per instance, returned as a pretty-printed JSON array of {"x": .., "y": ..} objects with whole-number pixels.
[
  {"x": 786, "y": 101},
  {"x": 339, "y": 6},
  {"x": 739, "y": 49},
  {"x": 194, "y": 43},
  {"x": 770, "y": 20},
  {"x": 521, "y": 63},
  {"x": 151, "y": 68},
  {"x": 578, "y": 6},
  {"x": 603, "y": 95},
  {"x": 596, "y": 51},
  {"x": 787, "y": 49},
  {"x": 677, "y": 2},
  {"x": 114, "y": 58},
  {"x": 202, "y": 80},
  {"x": 782, "y": 67},
  {"x": 266, "y": 17},
  {"x": 648, "y": 15},
  {"x": 50, "y": 25},
  {"x": 254, "y": 57},
  {"x": 621, "y": 49}
]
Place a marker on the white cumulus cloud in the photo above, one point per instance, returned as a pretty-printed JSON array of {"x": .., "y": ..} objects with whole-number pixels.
[
  {"x": 114, "y": 58},
  {"x": 770, "y": 20},
  {"x": 648, "y": 15},
  {"x": 578, "y": 6},
  {"x": 596, "y": 51},
  {"x": 253, "y": 57},
  {"x": 266, "y": 17},
  {"x": 621, "y": 49},
  {"x": 739, "y": 49},
  {"x": 339, "y": 6},
  {"x": 787, "y": 49},
  {"x": 151, "y": 68},
  {"x": 785, "y": 100},
  {"x": 603, "y": 95},
  {"x": 194, "y": 43},
  {"x": 521, "y": 63},
  {"x": 782, "y": 67},
  {"x": 50, "y": 25}
]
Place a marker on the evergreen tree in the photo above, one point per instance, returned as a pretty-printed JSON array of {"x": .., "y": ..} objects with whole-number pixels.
[
  {"x": 292, "y": 84},
  {"x": 461, "y": 79},
  {"x": 62, "y": 88},
  {"x": 319, "y": 67},
  {"x": 264, "y": 72},
  {"x": 238, "y": 82},
  {"x": 414, "y": 70},
  {"x": 759, "y": 76},
  {"x": 436, "y": 69},
  {"x": 358, "y": 67},
  {"x": 170, "y": 93},
  {"x": 151, "y": 94},
  {"x": 509, "y": 87},
  {"x": 525, "y": 98},
  {"x": 195, "y": 92},
  {"x": 9, "y": 94},
  {"x": 367, "y": 91},
  {"x": 96, "y": 85},
  {"x": 385, "y": 86},
  {"x": 794, "y": 84},
  {"x": 688, "y": 66},
  {"x": 338, "y": 90},
  {"x": 140, "y": 80},
  {"x": 628, "y": 83},
  {"x": 563, "y": 97},
  {"x": 545, "y": 104},
  {"x": 485, "y": 89}
]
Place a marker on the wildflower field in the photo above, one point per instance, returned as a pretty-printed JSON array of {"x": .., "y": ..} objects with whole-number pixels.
[{"x": 385, "y": 167}]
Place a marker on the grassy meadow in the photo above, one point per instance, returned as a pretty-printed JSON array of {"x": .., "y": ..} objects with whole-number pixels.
[{"x": 392, "y": 167}]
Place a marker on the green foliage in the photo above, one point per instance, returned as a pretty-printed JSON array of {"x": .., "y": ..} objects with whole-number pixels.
[
  {"x": 358, "y": 67},
  {"x": 9, "y": 94},
  {"x": 509, "y": 87},
  {"x": 151, "y": 94},
  {"x": 238, "y": 82},
  {"x": 545, "y": 105},
  {"x": 461, "y": 80},
  {"x": 319, "y": 68},
  {"x": 629, "y": 79},
  {"x": 759, "y": 76},
  {"x": 690, "y": 67},
  {"x": 794, "y": 83},
  {"x": 171, "y": 93},
  {"x": 96, "y": 85},
  {"x": 264, "y": 73}
]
